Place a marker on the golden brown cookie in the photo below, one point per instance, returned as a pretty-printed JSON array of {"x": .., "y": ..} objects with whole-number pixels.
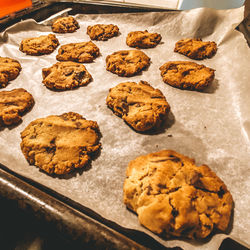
[
  {"x": 143, "y": 39},
  {"x": 66, "y": 75},
  {"x": 14, "y": 104},
  {"x": 65, "y": 25},
  {"x": 39, "y": 45},
  {"x": 84, "y": 52},
  {"x": 187, "y": 75},
  {"x": 140, "y": 105},
  {"x": 102, "y": 32},
  {"x": 127, "y": 62},
  {"x": 59, "y": 144},
  {"x": 9, "y": 70},
  {"x": 195, "y": 48},
  {"x": 174, "y": 197}
]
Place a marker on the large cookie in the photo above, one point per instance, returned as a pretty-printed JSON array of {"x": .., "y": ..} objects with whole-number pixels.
[
  {"x": 187, "y": 75},
  {"x": 127, "y": 62},
  {"x": 9, "y": 70},
  {"x": 60, "y": 144},
  {"x": 84, "y": 52},
  {"x": 143, "y": 39},
  {"x": 65, "y": 25},
  {"x": 39, "y": 45},
  {"x": 196, "y": 48},
  {"x": 174, "y": 197},
  {"x": 102, "y": 32},
  {"x": 140, "y": 105},
  {"x": 13, "y": 104},
  {"x": 65, "y": 75}
]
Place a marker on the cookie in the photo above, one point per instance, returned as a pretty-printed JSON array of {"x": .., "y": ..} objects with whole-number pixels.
[
  {"x": 65, "y": 25},
  {"x": 127, "y": 62},
  {"x": 174, "y": 197},
  {"x": 14, "y": 104},
  {"x": 41, "y": 45},
  {"x": 143, "y": 39},
  {"x": 65, "y": 75},
  {"x": 195, "y": 48},
  {"x": 102, "y": 32},
  {"x": 140, "y": 105},
  {"x": 59, "y": 144},
  {"x": 187, "y": 75},
  {"x": 84, "y": 52},
  {"x": 9, "y": 70}
]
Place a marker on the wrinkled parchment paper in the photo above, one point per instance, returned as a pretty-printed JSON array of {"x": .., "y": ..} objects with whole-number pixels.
[{"x": 211, "y": 126}]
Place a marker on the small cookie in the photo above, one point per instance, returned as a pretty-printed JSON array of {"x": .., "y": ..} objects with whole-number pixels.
[
  {"x": 41, "y": 45},
  {"x": 84, "y": 52},
  {"x": 9, "y": 70},
  {"x": 102, "y": 32},
  {"x": 65, "y": 75},
  {"x": 59, "y": 144},
  {"x": 143, "y": 39},
  {"x": 127, "y": 62},
  {"x": 65, "y": 25},
  {"x": 174, "y": 197},
  {"x": 14, "y": 104},
  {"x": 140, "y": 105},
  {"x": 187, "y": 75},
  {"x": 195, "y": 48}
]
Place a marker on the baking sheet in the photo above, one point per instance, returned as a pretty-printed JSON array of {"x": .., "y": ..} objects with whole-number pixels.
[{"x": 211, "y": 126}]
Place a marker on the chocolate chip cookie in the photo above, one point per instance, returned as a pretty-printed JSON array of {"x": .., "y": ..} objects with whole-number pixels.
[
  {"x": 39, "y": 45},
  {"x": 143, "y": 39},
  {"x": 174, "y": 197},
  {"x": 127, "y": 62},
  {"x": 140, "y": 105},
  {"x": 195, "y": 48},
  {"x": 14, "y": 104},
  {"x": 84, "y": 52},
  {"x": 65, "y": 25},
  {"x": 102, "y": 32},
  {"x": 9, "y": 70},
  {"x": 65, "y": 75},
  {"x": 187, "y": 75},
  {"x": 59, "y": 144}
]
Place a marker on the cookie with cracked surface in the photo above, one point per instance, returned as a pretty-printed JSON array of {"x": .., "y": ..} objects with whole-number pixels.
[
  {"x": 84, "y": 52},
  {"x": 195, "y": 48},
  {"x": 187, "y": 75},
  {"x": 14, "y": 104},
  {"x": 65, "y": 25},
  {"x": 9, "y": 70},
  {"x": 41, "y": 45},
  {"x": 65, "y": 75},
  {"x": 140, "y": 105},
  {"x": 127, "y": 62},
  {"x": 59, "y": 144},
  {"x": 143, "y": 39},
  {"x": 102, "y": 32},
  {"x": 174, "y": 197}
]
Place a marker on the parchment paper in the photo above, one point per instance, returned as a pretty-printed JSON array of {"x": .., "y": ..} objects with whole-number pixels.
[{"x": 211, "y": 126}]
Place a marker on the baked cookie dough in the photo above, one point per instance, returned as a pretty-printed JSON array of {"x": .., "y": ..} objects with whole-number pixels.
[
  {"x": 102, "y": 32},
  {"x": 143, "y": 39},
  {"x": 39, "y": 45},
  {"x": 174, "y": 197},
  {"x": 187, "y": 75},
  {"x": 59, "y": 144},
  {"x": 127, "y": 62},
  {"x": 84, "y": 52},
  {"x": 9, "y": 70},
  {"x": 14, "y": 104},
  {"x": 195, "y": 48},
  {"x": 140, "y": 105},
  {"x": 65, "y": 25},
  {"x": 65, "y": 75}
]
